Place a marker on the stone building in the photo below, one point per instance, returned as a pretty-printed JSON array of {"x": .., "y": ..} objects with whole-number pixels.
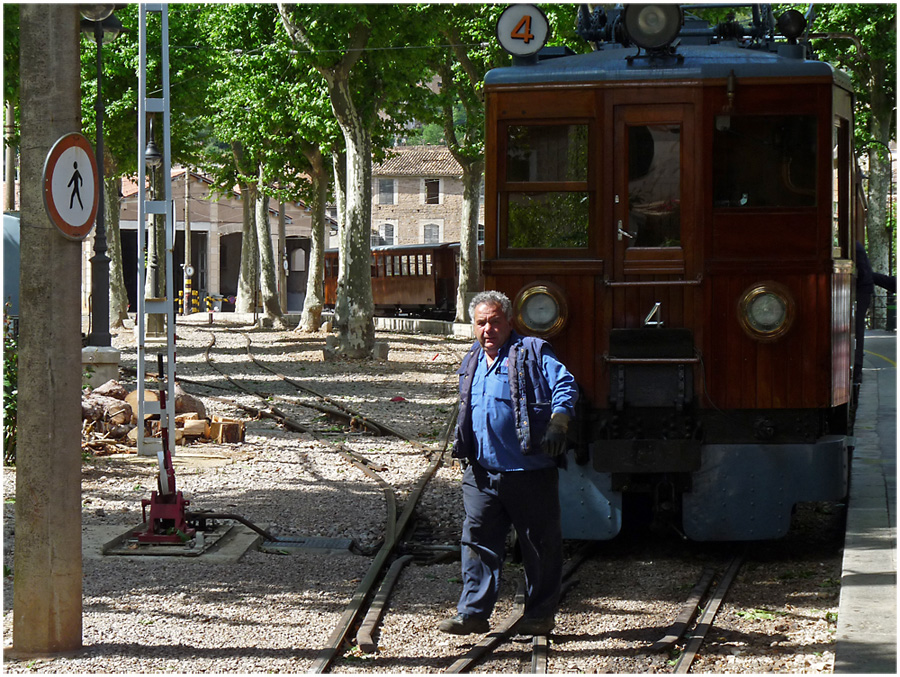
[
  {"x": 215, "y": 226},
  {"x": 417, "y": 197}
]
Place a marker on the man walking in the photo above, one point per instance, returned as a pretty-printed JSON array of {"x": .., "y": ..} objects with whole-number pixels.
[{"x": 516, "y": 400}]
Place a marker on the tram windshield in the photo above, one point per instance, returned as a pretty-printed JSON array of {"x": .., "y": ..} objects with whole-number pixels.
[
  {"x": 747, "y": 148},
  {"x": 548, "y": 204}
]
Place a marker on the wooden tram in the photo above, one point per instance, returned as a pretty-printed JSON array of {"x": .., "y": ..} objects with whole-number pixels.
[
  {"x": 417, "y": 279},
  {"x": 675, "y": 212}
]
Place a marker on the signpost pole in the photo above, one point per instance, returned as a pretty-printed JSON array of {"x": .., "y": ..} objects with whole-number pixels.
[{"x": 47, "y": 603}]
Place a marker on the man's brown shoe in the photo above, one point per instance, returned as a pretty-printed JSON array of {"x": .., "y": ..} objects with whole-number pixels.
[{"x": 464, "y": 625}]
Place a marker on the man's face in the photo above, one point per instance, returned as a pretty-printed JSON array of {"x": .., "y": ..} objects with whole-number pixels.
[{"x": 492, "y": 329}]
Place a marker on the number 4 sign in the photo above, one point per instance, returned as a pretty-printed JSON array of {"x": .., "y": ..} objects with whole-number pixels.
[{"x": 522, "y": 30}]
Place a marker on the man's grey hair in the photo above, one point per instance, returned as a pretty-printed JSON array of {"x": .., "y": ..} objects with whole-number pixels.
[{"x": 494, "y": 298}]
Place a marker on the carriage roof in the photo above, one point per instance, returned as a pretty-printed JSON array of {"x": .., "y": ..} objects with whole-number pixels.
[{"x": 696, "y": 62}]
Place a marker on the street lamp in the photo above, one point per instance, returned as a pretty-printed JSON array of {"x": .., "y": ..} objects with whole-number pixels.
[
  {"x": 153, "y": 159},
  {"x": 102, "y": 26}
]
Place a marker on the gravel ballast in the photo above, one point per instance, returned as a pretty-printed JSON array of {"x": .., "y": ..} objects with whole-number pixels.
[{"x": 274, "y": 612}]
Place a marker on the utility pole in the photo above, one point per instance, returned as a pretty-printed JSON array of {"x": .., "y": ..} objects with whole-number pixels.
[{"x": 47, "y": 602}]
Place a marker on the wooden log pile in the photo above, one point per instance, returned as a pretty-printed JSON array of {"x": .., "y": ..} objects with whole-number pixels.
[{"x": 110, "y": 425}]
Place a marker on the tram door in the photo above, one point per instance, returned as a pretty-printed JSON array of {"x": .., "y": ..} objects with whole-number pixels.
[{"x": 653, "y": 215}]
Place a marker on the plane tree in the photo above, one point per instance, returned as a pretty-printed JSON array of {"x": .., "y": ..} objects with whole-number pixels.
[
  {"x": 188, "y": 78},
  {"x": 367, "y": 58},
  {"x": 465, "y": 47},
  {"x": 861, "y": 39}
]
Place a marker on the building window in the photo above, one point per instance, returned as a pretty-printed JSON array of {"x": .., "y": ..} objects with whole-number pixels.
[
  {"x": 431, "y": 233},
  {"x": 432, "y": 191},
  {"x": 481, "y": 232},
  {"x": 383, "y": 235},
  {"x": 386, "y": 191}
]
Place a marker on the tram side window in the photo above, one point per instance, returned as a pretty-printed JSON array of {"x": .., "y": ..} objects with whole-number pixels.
[
  {"x": 841, "y": 190},
  {"x": 555, "y": 211},
  {"x": 428, "y": 264},
  {"x": 764, "y": 161}
]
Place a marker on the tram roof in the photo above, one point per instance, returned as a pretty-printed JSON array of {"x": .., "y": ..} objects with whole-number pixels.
[{"x": 702, "y": 62}]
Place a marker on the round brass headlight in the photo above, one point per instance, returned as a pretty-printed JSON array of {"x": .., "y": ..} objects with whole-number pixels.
[
  {"x": 766, "y": 311},
  {"x": 541, "y": 310}
]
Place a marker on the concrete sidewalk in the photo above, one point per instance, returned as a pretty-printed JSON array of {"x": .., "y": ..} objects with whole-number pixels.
[{"x": 867, "y": 617}]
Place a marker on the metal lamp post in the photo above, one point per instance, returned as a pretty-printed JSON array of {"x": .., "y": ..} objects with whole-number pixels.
[
  {"x": 100, "y": 24},
  {"x": 153, "y": 159}
]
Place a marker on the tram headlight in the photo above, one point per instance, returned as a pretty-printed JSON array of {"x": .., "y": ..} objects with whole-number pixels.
[
  {"x": 540, "y": 309},
  {"x": 766, "y": 311},
  {"x": 652, "y": 26}
]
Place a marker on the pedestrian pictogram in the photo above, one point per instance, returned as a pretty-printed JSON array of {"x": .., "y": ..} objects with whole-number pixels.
[{"x": 70, "y": 186}]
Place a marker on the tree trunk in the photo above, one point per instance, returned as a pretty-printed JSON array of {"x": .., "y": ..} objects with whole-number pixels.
[
  {"x": 468, "y": 238},
  {"x": 267, "y": 286},
  {"x": 249, "y": 275},
  {"x": 118, "y": 294},
  {"x": 354, "y": 308},
  {"x": 315, "y": 273},
  {"x": 879, "y": 230},
  {"x": 9, "y": 194}
]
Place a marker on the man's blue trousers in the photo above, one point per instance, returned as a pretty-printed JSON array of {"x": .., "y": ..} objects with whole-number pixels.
[{"x": 528, "y": 500}]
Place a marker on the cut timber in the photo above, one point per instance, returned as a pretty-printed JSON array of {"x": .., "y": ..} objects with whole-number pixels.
[
  {"x": 195, "y": 428},
  {"x": 226, "y": 430},
  {"x": 132, "y": 399}
]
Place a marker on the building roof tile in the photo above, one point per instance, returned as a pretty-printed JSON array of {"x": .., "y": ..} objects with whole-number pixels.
[{"x": 418, "y": 161}]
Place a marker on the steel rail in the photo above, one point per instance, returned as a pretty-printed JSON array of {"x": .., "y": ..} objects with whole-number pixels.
[
  {"x": 382, "y": 428},
  {"x": 709, "y": 613},
  {"x": 540, "y": 648},
  {"x": 394, "y": 527},
  {"x": 676, "y": 630},
  {"x": 364, "y": 636},
  {"x": 493, "y": 639}
]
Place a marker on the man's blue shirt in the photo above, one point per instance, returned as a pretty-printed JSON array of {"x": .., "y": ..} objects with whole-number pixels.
[{"x": 493, "y": 418}]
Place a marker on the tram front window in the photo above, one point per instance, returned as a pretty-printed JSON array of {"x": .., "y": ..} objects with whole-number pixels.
[
  {"x": 764, "y": 161},
  {"x": 548, "y": 220},
  {"x": 546, "y": 198}
]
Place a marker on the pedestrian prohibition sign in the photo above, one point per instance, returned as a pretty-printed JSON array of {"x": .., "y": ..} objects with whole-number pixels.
[{"x": 70, "y": 186}]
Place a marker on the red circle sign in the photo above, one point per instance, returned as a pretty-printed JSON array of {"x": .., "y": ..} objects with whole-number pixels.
[{"x": 71, "y": 190}]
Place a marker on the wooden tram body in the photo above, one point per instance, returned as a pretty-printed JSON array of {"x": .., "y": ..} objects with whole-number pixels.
[
  {"x": 417, "y": 279},
  {"x": 696, "y": 276}
]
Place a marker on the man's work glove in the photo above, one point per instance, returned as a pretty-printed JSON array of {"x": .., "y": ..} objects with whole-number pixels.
[{"x": 554, "y": 443}]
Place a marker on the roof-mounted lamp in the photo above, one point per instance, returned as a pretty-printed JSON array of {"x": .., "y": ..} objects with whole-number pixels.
[{"x": 652, "y": 27}]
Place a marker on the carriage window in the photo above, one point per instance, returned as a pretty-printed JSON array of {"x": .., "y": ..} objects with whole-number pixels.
[
  {"x": 548, "y": 220},
  {"x": 404, "y": 270},
  {"x": 764, "y": 161},
  {"x": 420, "y": 262},
  {"x": 547, "y": 153},
  {"x": 654, "y": 185},
  {"x": 380, "y": 267},
  {"x": 428, "y": 264}
]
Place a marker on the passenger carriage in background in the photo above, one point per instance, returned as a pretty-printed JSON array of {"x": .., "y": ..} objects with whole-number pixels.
[
  {"x": 417, "y": 279},
  {"x": 675, "y": 212}
]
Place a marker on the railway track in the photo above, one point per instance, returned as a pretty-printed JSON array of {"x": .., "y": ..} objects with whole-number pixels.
[
  {"x": 369, "y": 604},
  {"x": 364, "y": 599}
]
